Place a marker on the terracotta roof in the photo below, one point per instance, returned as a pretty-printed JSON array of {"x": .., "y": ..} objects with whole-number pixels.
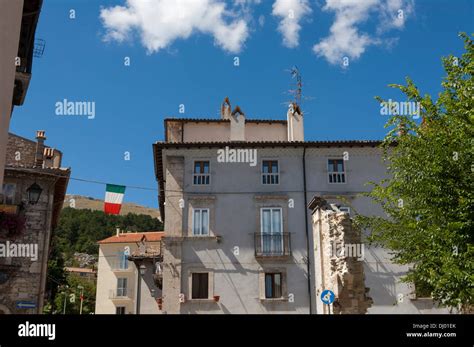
[{"x": 134, "y": 237}]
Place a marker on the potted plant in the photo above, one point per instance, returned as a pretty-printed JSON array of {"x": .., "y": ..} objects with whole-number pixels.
[{"x": 11, "y": 224}]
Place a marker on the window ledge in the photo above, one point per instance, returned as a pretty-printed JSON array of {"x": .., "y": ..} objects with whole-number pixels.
[
  {"x": 204, "y": 301},
  {"x": 265, "y": 300},
  {"x": 205, "y": 237}
]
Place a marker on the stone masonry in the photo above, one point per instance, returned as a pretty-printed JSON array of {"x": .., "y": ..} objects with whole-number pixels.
[
  {"x": 341, "y": 265},
  {"x": 23, "y": 276}
]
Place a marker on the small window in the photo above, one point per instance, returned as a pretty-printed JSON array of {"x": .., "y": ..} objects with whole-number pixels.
[
  {"x": 120, "y": 310},
  {"x": 8, "y": 194},
  {"x": 121, "y": 287},
  {"x": 202, "y": 173},
  {"x": 273, "y": 285},
  {"x": 336, "y": 171},
  {"x": 270, "y": 172},
  {"x": 200, "y": 285},
  {"x": 201, "y": 221}
]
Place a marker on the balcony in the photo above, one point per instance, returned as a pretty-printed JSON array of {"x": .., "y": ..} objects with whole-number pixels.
[
  {"x": 121, "y": 265},
  {"x": 272, "y": 245},
  {"x": 120, "y": 295}
]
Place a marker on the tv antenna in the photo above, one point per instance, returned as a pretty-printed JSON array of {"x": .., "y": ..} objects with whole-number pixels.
[
  {"x": 297, "y": 91},
  {"x": 295, "y": 74}
]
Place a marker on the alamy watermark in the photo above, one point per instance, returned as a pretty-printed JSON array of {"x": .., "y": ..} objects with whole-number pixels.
[
  {"x": 37, "y": 330},
  {"x": 400, "y": 108},
  {"x": 237, "y": 155},
  {"x": 350, "y": 250},
  {"x": 19, "y": 250},
  {"x": 75, "y": 108}
]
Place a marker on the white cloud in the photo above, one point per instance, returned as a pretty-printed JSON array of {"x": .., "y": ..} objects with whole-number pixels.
[
  {"x": 291, "y": 13},
  {"x": 394, "y": 14},
  {"x": 160, "y": 22},
  {"x": 345, "y": 38}
]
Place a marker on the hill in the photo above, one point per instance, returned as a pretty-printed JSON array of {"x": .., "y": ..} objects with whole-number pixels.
[{"x": 88, "y": 203}]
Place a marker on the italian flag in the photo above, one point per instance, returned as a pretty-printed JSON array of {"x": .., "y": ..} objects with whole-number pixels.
[{"x": 113, "y": 198}]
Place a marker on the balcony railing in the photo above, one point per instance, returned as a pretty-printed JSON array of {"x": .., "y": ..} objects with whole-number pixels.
[
  {"x": 272, "y": 245},
  {"x": 121, "y": 294},
  {"x": 201, "y": 179},
  {"x": 337, "y": 177},
  {"x": 121, "y": 265}
]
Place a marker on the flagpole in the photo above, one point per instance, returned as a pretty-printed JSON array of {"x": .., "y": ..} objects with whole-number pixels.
[{"x": 82, "y": 297}]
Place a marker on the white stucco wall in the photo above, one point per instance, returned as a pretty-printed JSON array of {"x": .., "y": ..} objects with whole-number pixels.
[
  {"x": 107, "y": 282},
  {"x": 234, "y": 217}
]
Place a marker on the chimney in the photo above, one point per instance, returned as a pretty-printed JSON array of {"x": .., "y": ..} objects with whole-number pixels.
[
  {"x": 226, "y": 109},
  {"x": 295, "y": 123},
  {"x": 237, "y": 125},
  {"x": 40, "y": 137},
  {"x": 117, "y": 232}
]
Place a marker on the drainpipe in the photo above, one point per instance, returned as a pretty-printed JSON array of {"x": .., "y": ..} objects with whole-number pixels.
[
  {"x": 308, "y": 265},
  {"x": 139, "y": 290}
]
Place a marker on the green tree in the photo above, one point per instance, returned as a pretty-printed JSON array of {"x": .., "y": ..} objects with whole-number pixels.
[
  {"x": 79, "y": 231},
  {"x": 72, "y": 289},
  {"x": 428, "y": 195}
]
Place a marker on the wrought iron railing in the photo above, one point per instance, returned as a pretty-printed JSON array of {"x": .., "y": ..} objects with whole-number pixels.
[{"x": 272, "y": 245}]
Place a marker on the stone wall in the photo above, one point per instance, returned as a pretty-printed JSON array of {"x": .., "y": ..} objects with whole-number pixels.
[
  {"x": 21, "y": 153},
  {"x": 22, "y": 278},
  {"x": 341, "y": 266}
]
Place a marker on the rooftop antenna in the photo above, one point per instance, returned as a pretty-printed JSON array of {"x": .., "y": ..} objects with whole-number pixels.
[
  {"x": 297, "y": 92},
  {"x": 295, "y": 74}
]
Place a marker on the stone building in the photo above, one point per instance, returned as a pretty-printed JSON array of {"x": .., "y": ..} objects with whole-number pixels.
[
  {"x": 33, "y": 192},
  {"x": 234, "y": 195}
]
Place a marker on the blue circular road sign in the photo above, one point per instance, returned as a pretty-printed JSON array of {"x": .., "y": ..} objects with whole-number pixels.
[{"x": 327, "y": 297}]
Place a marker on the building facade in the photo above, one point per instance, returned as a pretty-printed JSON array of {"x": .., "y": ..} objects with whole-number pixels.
[
  {"x": 234, "y": 195},
  {"x": 31, "y": 201},
  {"x": 18, "y": 20},
  {"x": 83, "y": 273},
  {"x": 128, "y": 279}
]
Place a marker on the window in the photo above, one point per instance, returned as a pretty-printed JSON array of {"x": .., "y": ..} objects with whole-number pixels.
[
  {"x": 202, "y": 173},
  {"x": 270, "y": 173},
  {"x": 271, "y": 228},
  {"x": 121, "y": 287},
  {"x": 336, "y": 171},
  {"x": 273, "y": 285},
  {"x": 122, "y": 261},
  {"x": 201, "y": 221},
  {"x": 200, "y": 285},
  {"x": 8, "y": 194},
  {"x": 120, "y": 310}
]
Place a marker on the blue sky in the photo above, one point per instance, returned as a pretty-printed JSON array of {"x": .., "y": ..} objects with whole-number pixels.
[{"x": 193, "y": 64}]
